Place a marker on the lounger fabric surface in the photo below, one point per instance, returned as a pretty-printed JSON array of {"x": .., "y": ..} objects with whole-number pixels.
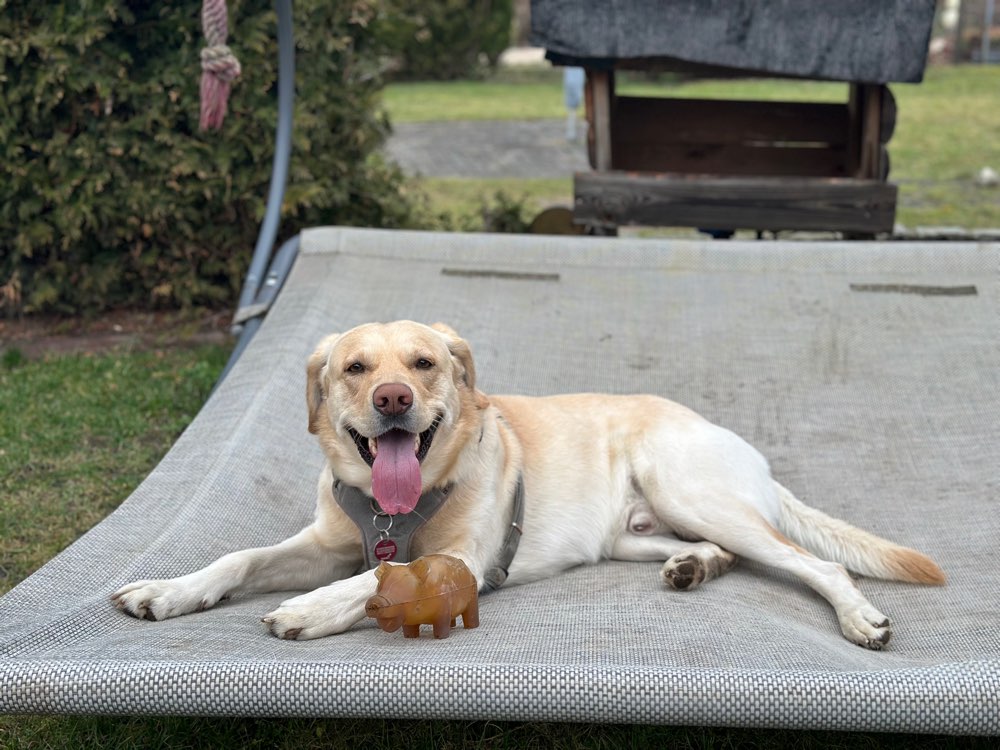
[{"x": 868, "y": 374}]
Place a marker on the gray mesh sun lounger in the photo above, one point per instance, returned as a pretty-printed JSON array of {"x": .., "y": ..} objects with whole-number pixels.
[{"x": 868, "y": 373}]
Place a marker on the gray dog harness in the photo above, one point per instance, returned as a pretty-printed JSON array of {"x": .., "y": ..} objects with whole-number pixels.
[{"x": 387, "y": 538}]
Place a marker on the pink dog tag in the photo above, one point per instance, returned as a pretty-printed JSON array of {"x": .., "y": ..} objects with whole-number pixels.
[{"x": 385, "y": 550}]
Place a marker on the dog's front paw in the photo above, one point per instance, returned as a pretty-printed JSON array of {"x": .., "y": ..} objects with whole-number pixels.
[
  {"x": 162, "y": 599},
  {"x": 331, "y": 609},
  {"x": 866, "y": 626},
  {"x": 296, "y": 620}
]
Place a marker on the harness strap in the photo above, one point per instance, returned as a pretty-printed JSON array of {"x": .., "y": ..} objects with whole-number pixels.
[
  {"x": 495, "y": 576},
  {"x": 386, "y": 537}
]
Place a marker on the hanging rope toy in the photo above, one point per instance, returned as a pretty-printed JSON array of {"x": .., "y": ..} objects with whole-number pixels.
[{"x": 219, "y": 66}]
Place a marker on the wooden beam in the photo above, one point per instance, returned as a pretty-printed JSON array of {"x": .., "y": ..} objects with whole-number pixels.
[
  {"x": 622, "y": 198},
  {"x": 732, "y": 159}
]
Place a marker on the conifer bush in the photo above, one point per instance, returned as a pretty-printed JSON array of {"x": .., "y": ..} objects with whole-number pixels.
[
  {"x": 111, "y": 196},
  {"x": 445, "y": 40}
]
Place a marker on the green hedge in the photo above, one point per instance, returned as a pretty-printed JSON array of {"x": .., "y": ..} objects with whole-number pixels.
[
  {"x": 445, "y": 40},
  {"x": 109, "y": 194}
]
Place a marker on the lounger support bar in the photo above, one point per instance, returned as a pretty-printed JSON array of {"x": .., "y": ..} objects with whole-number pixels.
[
  {"x": 279, "y": 172},
  {"x": 257, "y": 281}
]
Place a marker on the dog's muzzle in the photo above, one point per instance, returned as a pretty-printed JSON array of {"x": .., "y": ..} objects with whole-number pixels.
[{"x": 368, "y": 447}]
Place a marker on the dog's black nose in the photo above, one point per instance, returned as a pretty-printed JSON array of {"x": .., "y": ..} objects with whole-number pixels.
[{"x": 393, "y": 399}]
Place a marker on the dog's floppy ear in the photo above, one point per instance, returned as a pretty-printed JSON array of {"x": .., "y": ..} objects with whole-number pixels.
[
  {"x": 315, "y": 372},
  {"x": 461, "y": 353},
  {"x": 462, "y": 356}
]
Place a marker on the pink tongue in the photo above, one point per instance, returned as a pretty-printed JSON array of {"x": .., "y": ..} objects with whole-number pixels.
[{"x": 396, "y": 473}]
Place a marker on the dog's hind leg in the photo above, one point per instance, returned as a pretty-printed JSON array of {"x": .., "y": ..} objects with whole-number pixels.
[
  {"x": 751, "y": 536},
  {"x": 735, "y": 524},
  {"x": 688, "y": 564},
  {"x": 707, "y": 483}
]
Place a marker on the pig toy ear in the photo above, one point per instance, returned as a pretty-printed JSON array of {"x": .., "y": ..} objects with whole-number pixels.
[
  {"x": 420, "y": 568},
  {"x": 382, "y": 570}
]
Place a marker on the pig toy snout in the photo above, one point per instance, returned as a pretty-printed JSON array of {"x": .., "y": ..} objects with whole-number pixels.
[{"x": 375, "y": 604}]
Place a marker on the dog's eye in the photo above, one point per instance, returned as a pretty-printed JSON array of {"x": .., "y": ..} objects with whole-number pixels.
[
  {"x": 424, "y": 364},
  {"x": 355, "y": 368}
]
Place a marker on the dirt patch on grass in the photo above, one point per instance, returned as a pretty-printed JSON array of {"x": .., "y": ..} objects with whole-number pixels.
[{"x": 36, "y": 337}]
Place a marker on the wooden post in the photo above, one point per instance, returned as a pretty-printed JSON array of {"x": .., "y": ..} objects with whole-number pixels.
[
  {"x": 601, "y": 90},
  {"x": 870, "y": 125},
  {"x": 854, "y": 131},
  {"x": 871, "y": 164},
  {"x": 871, "y": 122}
]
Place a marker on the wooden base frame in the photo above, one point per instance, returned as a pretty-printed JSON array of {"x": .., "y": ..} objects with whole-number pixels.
[{"x": 737, "y": 164}]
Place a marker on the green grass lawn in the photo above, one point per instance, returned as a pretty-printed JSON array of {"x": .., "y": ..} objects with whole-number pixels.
[
  {"x": 79, "y": 433},
  {"x": 145, "y": 733},
  {"x": 462, "y": 201},
  {"x": 947, "y": 129},
  {"x": 512, "y": 97}
]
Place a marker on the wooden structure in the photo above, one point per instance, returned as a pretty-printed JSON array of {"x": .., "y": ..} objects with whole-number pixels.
[
  {"x": 738, "y": 164},
  {"x": 730, "y": 165}
]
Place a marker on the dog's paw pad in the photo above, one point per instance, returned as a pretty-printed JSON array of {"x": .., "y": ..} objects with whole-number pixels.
[{"x": 683, "y": 572}]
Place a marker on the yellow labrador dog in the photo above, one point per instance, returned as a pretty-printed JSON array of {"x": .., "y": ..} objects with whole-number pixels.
[{"x": 397, "y": 413}]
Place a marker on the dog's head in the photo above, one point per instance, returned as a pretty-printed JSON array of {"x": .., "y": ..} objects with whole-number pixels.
[{"x": 392, "y": 403}]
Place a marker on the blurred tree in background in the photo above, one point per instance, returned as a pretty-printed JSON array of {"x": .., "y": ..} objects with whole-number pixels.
[{"x": 446, "y": 39}]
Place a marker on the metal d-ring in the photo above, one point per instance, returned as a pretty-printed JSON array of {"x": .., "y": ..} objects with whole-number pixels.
[{"x": 384, "y": 533}]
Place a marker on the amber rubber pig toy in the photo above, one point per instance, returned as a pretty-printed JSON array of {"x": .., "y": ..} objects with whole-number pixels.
[{"x": 431, "y": 590}]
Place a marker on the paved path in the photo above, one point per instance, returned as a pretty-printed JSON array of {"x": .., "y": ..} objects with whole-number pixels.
[{"x": 526, "y": 149}]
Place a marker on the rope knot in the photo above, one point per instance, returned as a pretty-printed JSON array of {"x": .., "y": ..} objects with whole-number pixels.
[
  {"x": 220, "y": 61},
  {"x": 219, "y": 66}
]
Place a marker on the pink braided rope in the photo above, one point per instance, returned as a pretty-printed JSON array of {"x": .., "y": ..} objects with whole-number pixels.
[{"x": 219, "y": 66}]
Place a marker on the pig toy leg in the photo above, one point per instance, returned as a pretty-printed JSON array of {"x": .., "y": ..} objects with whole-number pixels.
[
  {"x": 470, "y": 617},
  {"x": 443, "y": 623}
]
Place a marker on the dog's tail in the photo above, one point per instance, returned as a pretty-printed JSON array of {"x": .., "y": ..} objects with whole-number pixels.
[{"x": 858, "y": 550}]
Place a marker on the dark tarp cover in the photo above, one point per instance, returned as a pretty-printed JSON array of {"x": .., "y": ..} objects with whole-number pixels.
[{"x": 847, "y": 40}]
